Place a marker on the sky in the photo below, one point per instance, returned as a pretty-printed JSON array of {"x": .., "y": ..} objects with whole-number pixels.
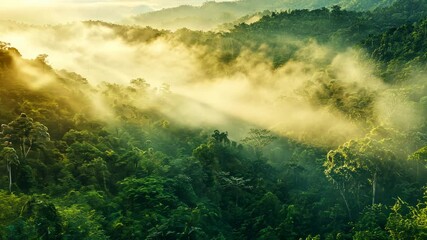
[{"x": 64, "y": 11}]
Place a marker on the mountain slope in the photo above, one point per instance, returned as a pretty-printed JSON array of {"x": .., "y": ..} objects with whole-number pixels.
[
  {"x": 136, "y": 161},
  {"x": 212, "y": 14}
]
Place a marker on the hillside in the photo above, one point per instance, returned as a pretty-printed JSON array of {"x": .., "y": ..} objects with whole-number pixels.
[
  {"x": 212, "y": 14},
  {"x": 306, "y": 124}
]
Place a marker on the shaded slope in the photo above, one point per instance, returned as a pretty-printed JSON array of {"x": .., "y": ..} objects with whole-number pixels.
[{"x": 212, "y": 14}]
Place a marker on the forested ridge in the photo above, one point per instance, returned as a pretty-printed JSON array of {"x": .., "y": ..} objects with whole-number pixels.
[
  {"x": 211, "y": 13},
  {"x": 325, "y": 139}
]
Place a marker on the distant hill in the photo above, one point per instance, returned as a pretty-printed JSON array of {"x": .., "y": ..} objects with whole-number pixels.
[{"x": 212, "y": 14}]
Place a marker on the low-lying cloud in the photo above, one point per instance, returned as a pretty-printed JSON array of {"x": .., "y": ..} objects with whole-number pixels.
[
  {"x": 307, "y": 98},
  {"x": 54, "y": 12},
  {"x": 65, "y": 11}
]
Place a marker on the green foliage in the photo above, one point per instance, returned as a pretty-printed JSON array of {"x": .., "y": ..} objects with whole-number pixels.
[
  {"x": 43, "y": 217},
  {"x": 258, "y": 139},
  {"x": 418, "y": 163},
  {"x": 10, "y": 205},
  {"x": 401, "y": 46},
  {"x": 140, "y": 174},
  {"x": 372, "y": 223},
  {"x": 138, "y": 194},
  {"x": 9, "y": 156},
  {"x": 213, "y": 13},
  {"x": 408, "y": 222},
  {"x": 24, "y": 134},
  {"x": 79, "y": 222}
]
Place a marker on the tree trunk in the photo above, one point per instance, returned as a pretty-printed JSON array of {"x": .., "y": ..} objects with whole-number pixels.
[
  {"x": 418, "y": 163},
  {"x": 358, "y": 202},
  {"x": 22, "y": 153},
  {"x": 346, "y": 203},
  {"x": 22, "y": 147},
  {"x": 25, "y": 150},
  {"x": 9, "y": 169},
  {"x": 29, "y": 147},
  {"x": 105, "y": 181},
  {"x": 374, "y": 184}
]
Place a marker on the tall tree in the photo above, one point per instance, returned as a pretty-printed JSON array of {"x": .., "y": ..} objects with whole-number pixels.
[
  {"x": 258, "y": 139},
  {"x": 359, "y": 163},
  {"x": 419, "y": 159},
  {"x": 9, "y": 155},
  {"x": 24, "y": 134}
]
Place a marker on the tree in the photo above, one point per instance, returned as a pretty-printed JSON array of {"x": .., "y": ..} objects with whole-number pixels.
[
  {"x": 24, "y": 134},
  {"x": 9, "y": 155},
  {"x": 221, "y": 137},
  {"x": 43, "y": 217},
  {"x": 408, "y": 222},
  {"x": 235, "y": 184},
  {"x": 337, "y": 172},
  {"x": 84, "y": 160},
  {"x": 80, "y": 222},
  {"x": 360, "y": 163},
  {"x": 141, "y": 194},
  {"x": 258, "y": 139},
  {"x": 95, "y": 172},
  {"x": 336, "y": 10},
  {"x": 419, "y": 158},
  {"x": 10, "y": 205},
  {"x": 206, "y": 155},
  {"x": 371, "y": 223}
]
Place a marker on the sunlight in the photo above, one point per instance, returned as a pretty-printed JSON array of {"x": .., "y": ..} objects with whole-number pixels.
[
  {"x": 37, "y": 2},
  {"x": 213, "y": 119}
]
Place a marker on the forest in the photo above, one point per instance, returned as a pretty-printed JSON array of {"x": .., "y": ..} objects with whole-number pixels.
[{"x": 308, "y": 124}]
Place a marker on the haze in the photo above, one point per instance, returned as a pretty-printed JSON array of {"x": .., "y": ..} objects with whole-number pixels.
[
  {"x": 63, "y": 11},
  {"x": 250, "y": 88}
]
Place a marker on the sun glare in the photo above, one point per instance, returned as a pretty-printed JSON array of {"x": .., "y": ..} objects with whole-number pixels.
[{"x": 37, "y": 2}]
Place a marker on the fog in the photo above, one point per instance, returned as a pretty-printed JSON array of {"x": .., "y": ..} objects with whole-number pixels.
[
  {"x": 290, "y": 100},
  {"x": 65, "y": 11}
]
